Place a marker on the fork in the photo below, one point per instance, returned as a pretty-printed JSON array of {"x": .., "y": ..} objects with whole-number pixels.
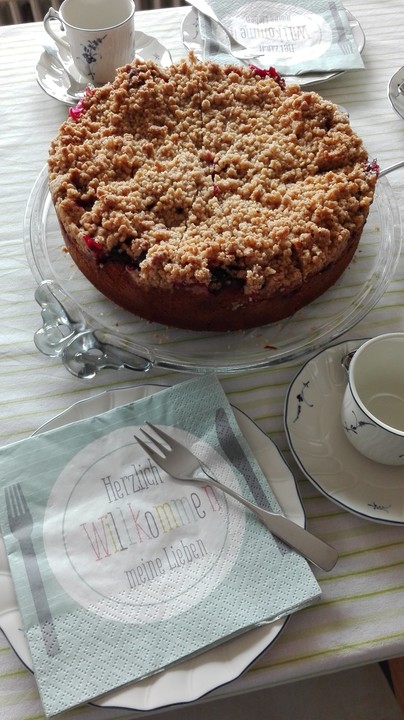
[
  {"x": 21, "y": 524},
  {"x": 181, "y": 464}
]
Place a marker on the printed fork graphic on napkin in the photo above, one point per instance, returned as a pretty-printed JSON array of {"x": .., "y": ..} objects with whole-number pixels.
[
  {"x": 138, "y": 571},
  {"x": 295, "y": 37}
]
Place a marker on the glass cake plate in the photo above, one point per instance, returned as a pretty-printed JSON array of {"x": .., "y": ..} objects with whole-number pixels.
[{"x": 89, "y": 332}]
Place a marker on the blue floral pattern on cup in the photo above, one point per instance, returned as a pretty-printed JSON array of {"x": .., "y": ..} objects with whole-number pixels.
[
  {"x": 90, "y": 54},
  {"x": 356, "y": 424}
]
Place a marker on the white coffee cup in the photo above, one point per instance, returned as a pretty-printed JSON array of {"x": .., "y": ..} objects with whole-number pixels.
[
  {"x": 99, "y": 34},
  {"x": 373, "y": 404}
]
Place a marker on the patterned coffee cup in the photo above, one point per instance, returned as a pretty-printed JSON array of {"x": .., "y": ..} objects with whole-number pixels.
[
  {"x": 373, "y": 404},
  {"x": 99, "y": 35}
]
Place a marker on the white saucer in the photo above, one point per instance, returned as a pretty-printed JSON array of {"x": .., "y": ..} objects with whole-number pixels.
[
  {"x": 192, "y": 41},
  {"x": 192, "y": 678},
  {"x": 319, "y": 444},
  {"x": 55, "y": 81}
]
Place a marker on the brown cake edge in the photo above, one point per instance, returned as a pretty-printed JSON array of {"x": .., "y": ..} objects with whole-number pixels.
[{"x": 196, "y": 308}]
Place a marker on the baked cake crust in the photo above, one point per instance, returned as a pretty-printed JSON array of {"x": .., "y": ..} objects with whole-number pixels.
[{"x": 209, "y": 197}]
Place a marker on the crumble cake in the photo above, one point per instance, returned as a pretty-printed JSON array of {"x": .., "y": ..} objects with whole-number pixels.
[{"x": 209, "y": 197}]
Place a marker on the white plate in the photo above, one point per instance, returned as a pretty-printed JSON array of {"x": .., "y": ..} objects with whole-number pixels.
[
  {"x": 396, "y": 92},
  {"x": 192, "y": 41},
  {"x": 319, "y": 444},
  {"x": 55, "y": 82},
  {"x": 193, "y": 678}
]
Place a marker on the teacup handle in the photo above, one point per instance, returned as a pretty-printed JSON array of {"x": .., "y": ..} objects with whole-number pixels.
[{"x": 53, "y": 14}]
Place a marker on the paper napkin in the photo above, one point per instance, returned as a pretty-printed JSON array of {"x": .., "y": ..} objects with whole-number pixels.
[
  {"x": 121, "y": 571},
  {"x": 295, "y": 37}
]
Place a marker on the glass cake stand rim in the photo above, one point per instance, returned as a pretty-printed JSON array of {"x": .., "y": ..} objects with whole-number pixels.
[{"x": 233, "y": 352}]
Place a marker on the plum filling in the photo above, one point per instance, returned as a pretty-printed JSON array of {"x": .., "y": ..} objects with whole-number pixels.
[
  {"x": 373, "y": 167},
  {"x": 271, "y": 72},
  {"x": 222, "y": 277},
  {"x": 94, "y": 246}
]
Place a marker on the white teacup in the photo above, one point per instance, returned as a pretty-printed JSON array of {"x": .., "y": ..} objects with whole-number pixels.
[
  {"x": 99, "y": 34},
  {"x": 373, "y": 404}
]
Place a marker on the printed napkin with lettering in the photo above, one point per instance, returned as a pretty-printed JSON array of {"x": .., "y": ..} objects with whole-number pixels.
[
  {"x": 295, "y": 37},
  {"x": 121, "y": 571}
]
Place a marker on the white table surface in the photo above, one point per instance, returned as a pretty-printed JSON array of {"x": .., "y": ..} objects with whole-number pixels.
[{"x": 360, "y": 618}]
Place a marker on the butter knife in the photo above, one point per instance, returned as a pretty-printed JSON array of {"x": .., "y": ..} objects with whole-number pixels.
[{"x": 235, "y": 453}]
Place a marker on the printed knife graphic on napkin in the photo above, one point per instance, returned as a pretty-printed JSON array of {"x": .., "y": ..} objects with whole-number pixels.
[
  {"x": 21, "y": 524},
  {"x": 236, "y": 455}
]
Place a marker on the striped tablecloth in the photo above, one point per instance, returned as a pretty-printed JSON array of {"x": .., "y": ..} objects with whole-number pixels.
[{"x": 360, "y": 618}]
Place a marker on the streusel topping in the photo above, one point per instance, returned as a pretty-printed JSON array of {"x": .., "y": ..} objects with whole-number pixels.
[{"x": 200, "y": 173}]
